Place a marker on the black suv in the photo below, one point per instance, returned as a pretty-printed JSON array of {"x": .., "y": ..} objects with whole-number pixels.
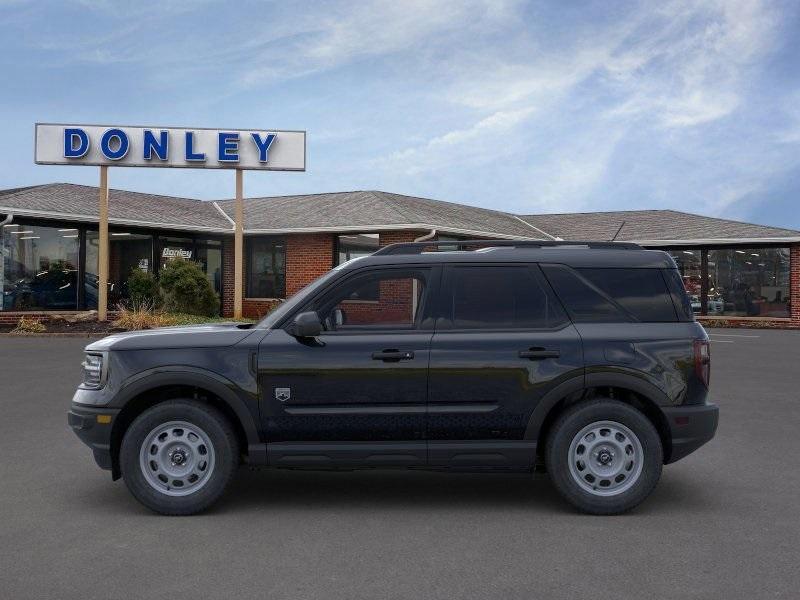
[{"x": 581, "y": 359}]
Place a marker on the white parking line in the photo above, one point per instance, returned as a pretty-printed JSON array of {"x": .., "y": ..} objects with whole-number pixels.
[
  {"x": 734, "y": 335},
  {"x": 722, "y": 341}
]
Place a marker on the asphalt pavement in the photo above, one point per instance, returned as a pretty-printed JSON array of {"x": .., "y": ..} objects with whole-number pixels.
[{"x": 723, "y": 523}]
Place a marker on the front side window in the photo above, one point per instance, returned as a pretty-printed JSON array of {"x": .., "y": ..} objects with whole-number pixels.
[
  {"x": 499, "y": 297},
  {"x": 39, "y": 267},
  {"x": 266, "y": 268},
  {"x": 391, "y": 299}
]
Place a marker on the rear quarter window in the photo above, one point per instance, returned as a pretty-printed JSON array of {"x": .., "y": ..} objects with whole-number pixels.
[
  {"x": 594, "y": 295},
  {"x": 642, "y": 292}
]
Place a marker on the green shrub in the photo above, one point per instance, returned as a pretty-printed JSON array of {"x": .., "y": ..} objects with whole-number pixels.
[
  {"x": 143, "y": 289},
  {"x": 185, "y": 289}
]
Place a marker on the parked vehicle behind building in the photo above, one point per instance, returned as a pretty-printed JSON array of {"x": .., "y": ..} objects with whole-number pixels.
[{"x": 581, "y": 359}]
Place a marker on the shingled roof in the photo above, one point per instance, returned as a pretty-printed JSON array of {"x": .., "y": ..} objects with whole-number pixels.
[
  {"x": 365, "y": 211},
  {"x": 655, "y": 227},
  {"x": 79, "y": 202},
  {"x": 374, "y": 210}
]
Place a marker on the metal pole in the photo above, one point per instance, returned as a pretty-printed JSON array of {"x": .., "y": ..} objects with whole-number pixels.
[
  {"x": 238, "y": 257},
  {"x": 102, "y": 267}
]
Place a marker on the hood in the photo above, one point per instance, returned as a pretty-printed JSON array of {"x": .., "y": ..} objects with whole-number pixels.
[{"x": 192, "y": 336}]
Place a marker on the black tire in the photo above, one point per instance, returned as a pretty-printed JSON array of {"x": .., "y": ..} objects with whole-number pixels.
[
  {"x": 572, "y": 422},
  {"x": 220, "y": 435}
]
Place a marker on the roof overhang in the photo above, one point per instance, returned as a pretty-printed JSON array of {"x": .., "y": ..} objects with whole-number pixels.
[
  {"x": 92, "y": 219},
  {"x": 390, "y": 227},
  {"x": 276, "y": 231},
  {"x": 719, "y": 241}
]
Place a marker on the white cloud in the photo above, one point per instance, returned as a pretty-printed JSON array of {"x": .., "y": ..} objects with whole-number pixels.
[
  {"x": 352, "y": 31},
  {"x": 461, "y": 146}
]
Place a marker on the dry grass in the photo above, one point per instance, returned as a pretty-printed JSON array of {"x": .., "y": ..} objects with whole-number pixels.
[
  {"x": 140, "y": 316},
  {"x": 29, "y": 325},
  {"x": 143, "y": 316}
]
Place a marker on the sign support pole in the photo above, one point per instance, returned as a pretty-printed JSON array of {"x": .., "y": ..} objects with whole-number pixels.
[
  {"x": 102, "y": 267},
  {"x": 238, "y": 277}
]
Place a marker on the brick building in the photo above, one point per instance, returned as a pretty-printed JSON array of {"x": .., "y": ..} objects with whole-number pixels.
[{"x": 736, "y": 273}]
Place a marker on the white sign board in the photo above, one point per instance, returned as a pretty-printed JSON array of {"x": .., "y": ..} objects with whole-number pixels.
[{"x": 191, "y": 148}]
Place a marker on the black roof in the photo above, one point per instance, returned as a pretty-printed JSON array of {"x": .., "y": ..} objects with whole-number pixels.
[{"x": 574, "y": 254}]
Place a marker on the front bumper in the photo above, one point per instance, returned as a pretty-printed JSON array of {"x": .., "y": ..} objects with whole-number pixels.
[
  {"x": 690, "y": 427},
  {"x": 93, "y": 426}
]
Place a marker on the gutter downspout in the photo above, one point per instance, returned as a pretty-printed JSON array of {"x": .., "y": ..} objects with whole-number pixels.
[
  {"x": 427, "y": 236},
  {"x": 7, "y": 220}
]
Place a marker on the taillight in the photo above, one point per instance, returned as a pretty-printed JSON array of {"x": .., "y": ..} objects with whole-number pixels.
[{"x": 702, "y": 360}]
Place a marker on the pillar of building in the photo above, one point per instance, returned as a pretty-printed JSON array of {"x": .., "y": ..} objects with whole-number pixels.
[{"x": 794, "y": 284}]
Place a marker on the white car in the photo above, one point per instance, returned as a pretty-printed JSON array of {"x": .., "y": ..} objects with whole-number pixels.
[{"x": 715, "y": 305}]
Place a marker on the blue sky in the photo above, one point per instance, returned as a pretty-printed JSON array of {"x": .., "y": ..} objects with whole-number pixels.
[{"x": 521, "y": 106}]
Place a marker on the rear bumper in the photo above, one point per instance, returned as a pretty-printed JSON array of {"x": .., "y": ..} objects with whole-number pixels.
[
  {"x": 94, "y": 432},
  {"x": 690, "y": 427}
]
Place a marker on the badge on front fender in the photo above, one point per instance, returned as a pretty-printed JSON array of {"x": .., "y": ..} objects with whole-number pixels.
[{"x": 283, "y": 394}]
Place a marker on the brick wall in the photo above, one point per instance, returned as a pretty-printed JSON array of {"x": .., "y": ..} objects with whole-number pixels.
[
  {"x": 794, "y": 284},
  {"x": 307, "y": 257},
  {"x": 228, "y": 267}
]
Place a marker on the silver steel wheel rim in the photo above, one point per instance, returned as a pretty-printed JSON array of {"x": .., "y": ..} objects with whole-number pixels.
[
  {"x": 605, "y": 458},
  {"x": 177, "y": 458}
]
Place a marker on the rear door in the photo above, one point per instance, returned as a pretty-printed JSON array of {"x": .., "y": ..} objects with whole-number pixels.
[{"x": 502, "y": 342}]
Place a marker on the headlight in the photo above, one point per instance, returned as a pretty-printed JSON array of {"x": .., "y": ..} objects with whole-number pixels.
[{"x": 93, "y": 371}]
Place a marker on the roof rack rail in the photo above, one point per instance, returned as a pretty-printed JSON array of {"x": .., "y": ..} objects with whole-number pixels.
[{"x": 462, "y": 245}]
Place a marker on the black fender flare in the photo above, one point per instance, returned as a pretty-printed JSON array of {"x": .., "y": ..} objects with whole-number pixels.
[
  {"x": 591, "y": 380},
  {"x": 194, "y": 377}
]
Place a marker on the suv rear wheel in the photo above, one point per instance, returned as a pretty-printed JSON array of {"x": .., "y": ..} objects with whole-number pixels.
[
  {"x": 604, "y": 456},
  {"x": 178, "y": 457}
]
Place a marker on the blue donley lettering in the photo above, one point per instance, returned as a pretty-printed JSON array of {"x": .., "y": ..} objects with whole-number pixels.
[{"x": 115, "y": 143}]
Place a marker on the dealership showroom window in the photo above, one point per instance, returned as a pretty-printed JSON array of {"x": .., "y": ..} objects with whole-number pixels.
[
  {"x": 55, "y": 267},
  {"x": 738, "y": 281}
]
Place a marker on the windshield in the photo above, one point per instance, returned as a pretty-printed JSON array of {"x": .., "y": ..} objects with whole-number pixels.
[{"x": 297, "y": 300}]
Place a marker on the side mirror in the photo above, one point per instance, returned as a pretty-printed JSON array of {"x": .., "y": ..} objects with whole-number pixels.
[{"x": 305, "y": 325}]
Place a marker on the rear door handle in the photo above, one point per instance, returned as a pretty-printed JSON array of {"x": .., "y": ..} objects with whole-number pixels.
[
  {"x": 393, "y": 355},
  {"x": 538, "y": 353}
]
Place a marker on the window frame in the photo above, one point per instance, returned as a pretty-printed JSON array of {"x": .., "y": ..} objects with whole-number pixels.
[
  {"x": 249, "y": 264},
  {"x": 425, "y": 320},
  {"x": 445, "y": 324}
]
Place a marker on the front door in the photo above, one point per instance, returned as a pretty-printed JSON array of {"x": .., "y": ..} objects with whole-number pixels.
[
  {"x": 364, "y": 379},
  {"x": 502, "y": 342}
]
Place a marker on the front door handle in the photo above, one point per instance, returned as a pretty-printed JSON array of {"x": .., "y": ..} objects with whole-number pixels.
[
  {"x": 393, "y": 355},
  {"x": 538, "y": 353}
]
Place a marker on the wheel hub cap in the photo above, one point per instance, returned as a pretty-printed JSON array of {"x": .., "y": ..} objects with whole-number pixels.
[
  {"x": 605, "y": 458},
  {"x": 177, "y": 458}
]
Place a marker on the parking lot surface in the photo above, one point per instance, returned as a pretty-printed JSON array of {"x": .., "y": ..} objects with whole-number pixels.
[{"x": 723, "y": 523}]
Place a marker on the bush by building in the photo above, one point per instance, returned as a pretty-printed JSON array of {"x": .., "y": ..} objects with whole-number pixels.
[
  {"x": 185, "y": 289},
  {"x": 143, "y": 289}
]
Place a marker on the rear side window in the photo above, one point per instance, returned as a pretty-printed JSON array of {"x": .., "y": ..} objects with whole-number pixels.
[
  {"x": 585, "y": 302},
  {"x": 500, "y": 297},
  {"x": 641, "y": 292}
]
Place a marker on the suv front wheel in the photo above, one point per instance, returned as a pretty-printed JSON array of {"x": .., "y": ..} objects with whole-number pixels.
[
  {"x": 604, "y": 456},
  {"x": 178, "y": 457}
]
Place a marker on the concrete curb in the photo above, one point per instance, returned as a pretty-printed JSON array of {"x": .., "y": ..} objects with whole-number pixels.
[{"x": 45, "y": 335}]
